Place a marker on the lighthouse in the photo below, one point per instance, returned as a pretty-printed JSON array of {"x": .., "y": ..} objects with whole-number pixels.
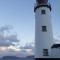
[{"x": 43, "y": 29}]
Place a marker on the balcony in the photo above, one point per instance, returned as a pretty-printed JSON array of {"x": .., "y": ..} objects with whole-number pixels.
[{"x": 48, "y": 5}]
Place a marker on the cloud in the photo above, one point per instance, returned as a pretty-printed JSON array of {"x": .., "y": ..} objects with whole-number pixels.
[
  {"x": 11, "y": 52},
  {"x": 28, "y": 49},
  {"x": 5, "y": 43},
  {"x": 5, "y": 28},
  {"x": 22, "y": 53},
  {"x": 28, "y": 46},
  {"x": 7, "y": 40},
  {"x": 12, "y": 38}
]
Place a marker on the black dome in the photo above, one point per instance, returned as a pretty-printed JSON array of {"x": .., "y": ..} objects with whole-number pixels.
[
  {"x": 56, "y": 46},
  {"x": 42, "y": 1}
]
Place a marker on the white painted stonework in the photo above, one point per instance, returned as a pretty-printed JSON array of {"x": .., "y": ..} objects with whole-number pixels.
[
  {"x": 43, "y": 40},
  {"x": 55, "y": 53}
]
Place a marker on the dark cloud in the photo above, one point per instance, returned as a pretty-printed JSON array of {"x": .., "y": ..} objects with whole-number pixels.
[
  {"x": 12, "y": 38},
  {"x": 5, "y": 43}
]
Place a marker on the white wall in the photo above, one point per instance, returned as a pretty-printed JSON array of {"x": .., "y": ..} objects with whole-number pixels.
[
  {"x": 43, "y": 40},
  {"x": 55, "y": 53}
]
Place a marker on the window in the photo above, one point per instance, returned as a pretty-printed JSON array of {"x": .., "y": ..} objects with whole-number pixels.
[
  {"x": 43, "y": 12},
  {"x": 45, "y": 52},
  {"x": 44, "y": 28}
]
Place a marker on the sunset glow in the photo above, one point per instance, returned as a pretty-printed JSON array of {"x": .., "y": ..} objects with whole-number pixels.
[
  {"x": 14, "y": 48},
  {"x": 3, "y": 48}
]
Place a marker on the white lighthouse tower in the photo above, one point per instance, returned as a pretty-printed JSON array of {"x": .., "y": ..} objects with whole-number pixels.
[{"x": 43, "y": 29}]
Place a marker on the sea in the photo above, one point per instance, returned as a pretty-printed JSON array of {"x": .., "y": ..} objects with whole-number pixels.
[{"x": 20, "y": 59}]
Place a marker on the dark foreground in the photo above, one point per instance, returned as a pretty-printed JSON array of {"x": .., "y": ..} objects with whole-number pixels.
[{"x": 33, "y": 59}]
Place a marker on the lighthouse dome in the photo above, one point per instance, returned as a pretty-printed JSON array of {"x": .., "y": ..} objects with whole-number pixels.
[{"x": 42, "y": 1}]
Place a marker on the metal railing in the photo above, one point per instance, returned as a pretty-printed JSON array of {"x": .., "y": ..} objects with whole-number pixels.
[{"x": 36, "y": 4}]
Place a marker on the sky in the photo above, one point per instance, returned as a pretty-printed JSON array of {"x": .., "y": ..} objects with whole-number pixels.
[
  {"x": 20, "y": 16},
  {"x": 55, "y": 13}
]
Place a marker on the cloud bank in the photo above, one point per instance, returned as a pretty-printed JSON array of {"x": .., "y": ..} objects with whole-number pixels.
[
  {"x": 7, "y": 40},
  {"x": 8, "y": 44}
]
